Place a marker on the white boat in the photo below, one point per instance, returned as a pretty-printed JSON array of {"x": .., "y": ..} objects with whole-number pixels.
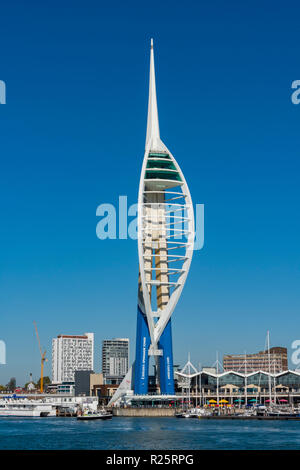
[
  {"x": 185, "y": 414},
  {"x": 194, "y": 413},
  {"x": 25, "y": 408},
  {"x": 90, "y": 415}
]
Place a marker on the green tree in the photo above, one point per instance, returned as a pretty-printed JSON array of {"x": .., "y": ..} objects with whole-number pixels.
[
  {"x": 46, "y": 381},
  {"x": 11, "y": 384}
]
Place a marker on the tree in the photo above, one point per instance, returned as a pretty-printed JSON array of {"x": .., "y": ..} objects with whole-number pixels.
[
  {"x": 11, "y": 384},
  {"x": 2, "y": 388},
  {"x": 46, "y": 381}
]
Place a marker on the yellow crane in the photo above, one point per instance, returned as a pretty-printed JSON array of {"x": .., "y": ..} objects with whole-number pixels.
[{"x": 43, "y": 359}]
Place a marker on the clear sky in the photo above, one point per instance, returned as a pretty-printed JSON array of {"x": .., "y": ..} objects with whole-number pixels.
[{"x": 72, "y": 137}]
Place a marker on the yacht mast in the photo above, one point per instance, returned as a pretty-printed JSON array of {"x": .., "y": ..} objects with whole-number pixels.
[
  {"x": 245, "y": 379},
  {"x": 189, "y": 372},
  {"x": 269, "y": 360},
  {"x": 218, "y": 380},
  {"x": 199, "y": 383},
  {"x": 274, "y": 382}
]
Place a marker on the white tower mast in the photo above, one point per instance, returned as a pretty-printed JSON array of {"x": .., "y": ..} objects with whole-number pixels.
[{"x": 269, "y": 361}]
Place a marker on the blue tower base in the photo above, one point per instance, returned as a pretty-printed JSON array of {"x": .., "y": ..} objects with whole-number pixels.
[
  {"x": 141, "y": 355},
  {"x": 166, "y": 361},
  {"x": 143, "y": 342}
]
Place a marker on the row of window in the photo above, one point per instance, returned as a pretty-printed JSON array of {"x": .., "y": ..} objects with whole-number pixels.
[{"x": 288, "y": 379}]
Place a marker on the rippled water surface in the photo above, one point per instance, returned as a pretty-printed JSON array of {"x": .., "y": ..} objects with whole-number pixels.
[{"x": 147, "y": 433}]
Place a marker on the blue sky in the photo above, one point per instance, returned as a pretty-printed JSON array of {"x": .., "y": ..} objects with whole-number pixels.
[{"x": 72, "y": 137}]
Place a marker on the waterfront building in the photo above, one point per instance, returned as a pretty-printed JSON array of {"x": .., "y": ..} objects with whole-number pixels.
[
  {"x": 31, "y": 387},
  {"x": 82, "y": 382},
  {"x": 224, "y": 389},
  {"x": 66, "y": 388},
  {"x": 104, "y": 392},
  {"x": 96, "y": 381},
  {"x": 211, "y": 370},
  {"x": 254, "y": 387},
  {"x": 115, "y": 359},
  {"x": 71, "y": 353},
  {"x": 52, "y": 388},
  {"x": 67, "y": 401},
  {"x": 274, "y": 360},
  {"x": 87, "y": 383}
]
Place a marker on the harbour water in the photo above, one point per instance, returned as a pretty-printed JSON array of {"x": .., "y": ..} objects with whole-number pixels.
[{"x": 147, "y": 433}]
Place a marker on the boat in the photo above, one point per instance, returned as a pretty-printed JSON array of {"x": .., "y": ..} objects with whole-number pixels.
[
  {"x": 283, "y": 413},
  {"x": 186, "y": 414},
  {"x": 25, "y": 408},
  {"x": 88, "y": 415},
  {"x": 194, "y": 413}
]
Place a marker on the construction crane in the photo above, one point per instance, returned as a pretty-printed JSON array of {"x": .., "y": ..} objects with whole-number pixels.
[{"x": 43, "y": 359}]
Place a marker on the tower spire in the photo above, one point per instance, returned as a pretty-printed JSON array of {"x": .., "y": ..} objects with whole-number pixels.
[{"x": 152, "y": 136}]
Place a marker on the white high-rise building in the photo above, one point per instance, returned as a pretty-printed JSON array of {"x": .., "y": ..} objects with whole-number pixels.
[{"x": 70, "y": 353}]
